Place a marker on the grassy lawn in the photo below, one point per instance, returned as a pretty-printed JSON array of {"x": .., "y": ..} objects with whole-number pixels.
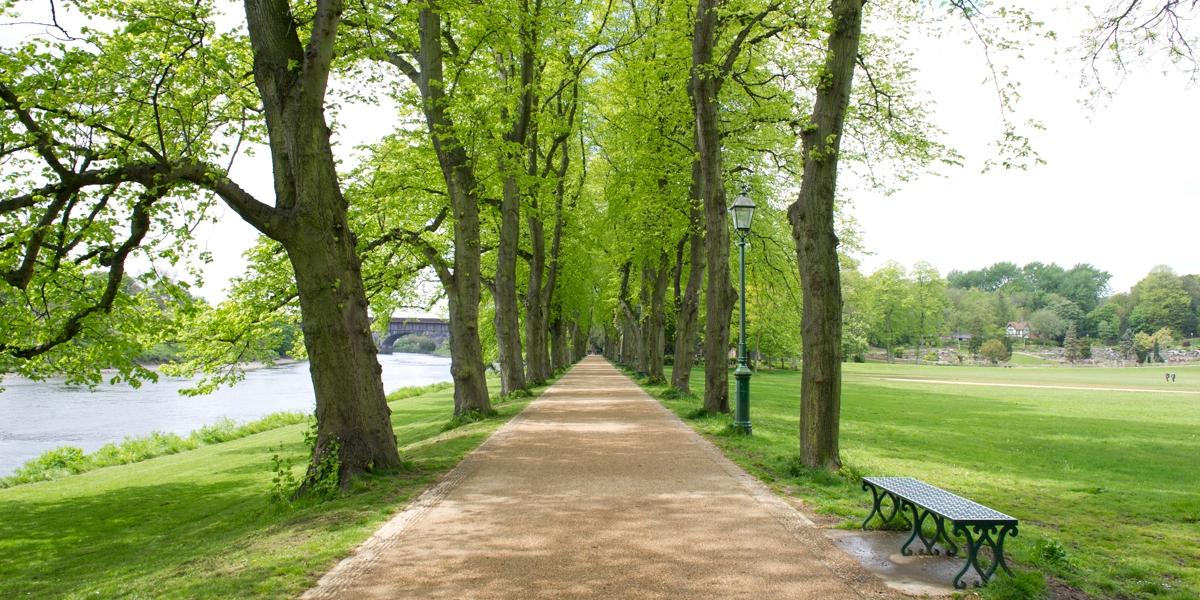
[
  {"x": 199, "y": 524},
  {"x": 1109, "y": 476}
]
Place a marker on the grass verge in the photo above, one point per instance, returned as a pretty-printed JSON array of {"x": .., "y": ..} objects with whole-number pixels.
[
  {"x": 1102, "y": 481},
  {"x": 199, "y": 524}
]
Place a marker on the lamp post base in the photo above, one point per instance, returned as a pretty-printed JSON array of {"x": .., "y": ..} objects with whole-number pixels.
[{"x": 741, "y": 411}]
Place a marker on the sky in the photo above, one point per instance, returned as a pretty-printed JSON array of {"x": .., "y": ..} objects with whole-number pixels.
[{"x": 1120, "y": 188}]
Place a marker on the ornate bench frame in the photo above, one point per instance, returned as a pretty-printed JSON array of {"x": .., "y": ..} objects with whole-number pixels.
[{"x": 980, "y": 525}]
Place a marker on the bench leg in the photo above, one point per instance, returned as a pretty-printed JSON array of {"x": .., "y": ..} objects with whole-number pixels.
[
  {"x": 951, "y": 547},
  {"x": 991, "y": 536},
  {"x": 877, "y": 497},
  {"x": 918, "y": 519}
]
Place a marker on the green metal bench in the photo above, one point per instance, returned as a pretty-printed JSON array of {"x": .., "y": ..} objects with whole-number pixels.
[{"x": 980, "y": 525}]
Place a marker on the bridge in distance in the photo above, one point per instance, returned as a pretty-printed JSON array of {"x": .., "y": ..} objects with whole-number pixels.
[{"x": 437, "y": 330}]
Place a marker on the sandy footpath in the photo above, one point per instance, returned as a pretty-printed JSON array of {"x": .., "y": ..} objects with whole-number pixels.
[{"x": 596, "y": 491}]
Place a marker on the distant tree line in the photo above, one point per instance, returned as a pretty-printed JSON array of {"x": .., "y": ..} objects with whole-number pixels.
[{"x": 894, "y": 307}]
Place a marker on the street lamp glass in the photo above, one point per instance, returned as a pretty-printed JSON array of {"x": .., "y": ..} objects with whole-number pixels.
[{"x": 742, "y": 212}]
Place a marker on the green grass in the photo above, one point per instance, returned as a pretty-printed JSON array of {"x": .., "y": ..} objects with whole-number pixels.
[
  {"x": 1104, "y": 482},
  {"x": 198, "y": 524}
]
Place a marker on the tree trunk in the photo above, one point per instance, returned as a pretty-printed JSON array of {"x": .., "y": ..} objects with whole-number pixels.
[
  {"x": 719, "y": 294},
  {"x": 535, "y": 313},
  {"x": 630, "y": 335},
  {"x": 689, "y": 305},
  {"x": 508, "y": 319},
  {"x": 816, "y": 240},
  {"x": 559, "y": 349},
  {"x": 352, "y": 412},
  {"x": 463, "y": 284},
  {"x": 351, "y": 407},
  {"x": 543, "y": 294},
  {"x": 579, "y": 342},
  {"x": 653, "y": 321},
  {"x": 466, "y": 349}
]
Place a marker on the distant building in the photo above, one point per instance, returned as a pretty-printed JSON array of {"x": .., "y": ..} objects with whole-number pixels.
[
  {"x": 1017, "y": 329},
  {"x": 960, "y": 336}
]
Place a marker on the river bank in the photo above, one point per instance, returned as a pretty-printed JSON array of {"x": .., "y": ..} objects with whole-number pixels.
[{"x": 36, "y": 417}]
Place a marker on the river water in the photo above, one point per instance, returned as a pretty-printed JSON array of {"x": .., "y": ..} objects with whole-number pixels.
[{"x": 36, "y": 416}]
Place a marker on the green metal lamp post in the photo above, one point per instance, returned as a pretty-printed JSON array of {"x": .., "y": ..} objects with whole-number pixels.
[{"x": 742, "y": 212}]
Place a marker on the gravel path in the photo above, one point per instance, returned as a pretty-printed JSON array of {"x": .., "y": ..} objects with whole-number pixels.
[{"x": 596, "y": 491}]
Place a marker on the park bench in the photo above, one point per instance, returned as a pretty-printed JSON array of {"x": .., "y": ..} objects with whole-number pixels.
[{"x": 980, "y": 525}]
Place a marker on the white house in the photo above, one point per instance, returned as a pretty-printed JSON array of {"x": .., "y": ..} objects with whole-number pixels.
[{"x": 1017, "y": 329}]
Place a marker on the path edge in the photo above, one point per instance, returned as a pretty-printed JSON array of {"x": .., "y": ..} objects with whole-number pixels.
[
  {"x": 365, "y": 555},
  {"x": 796, "y": 523}
]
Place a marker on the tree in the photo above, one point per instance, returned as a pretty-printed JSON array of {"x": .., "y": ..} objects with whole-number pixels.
[
  {"x": 166, "y": 60},
  {"x": 891, "y": 307},
  {"x": 928, "y": 305},
  {"x": 1047, "y": 324},
  {"x": 1128, "y": 346},
  {"x": 995, "y": 351},
  {"x": 1106, "y": 319},
  {"x": 1161, "y": 300},
  {"x": 1072, "y": 345},
  {"x": 710, "y": 70},
  {"x": 816, "y": 242}
]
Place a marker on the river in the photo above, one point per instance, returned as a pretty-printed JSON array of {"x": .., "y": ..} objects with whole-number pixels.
[{"x": 36, "y": 416}]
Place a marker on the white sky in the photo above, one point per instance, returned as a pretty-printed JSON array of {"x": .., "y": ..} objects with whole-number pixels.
[{"x": 1119, "y": 190}]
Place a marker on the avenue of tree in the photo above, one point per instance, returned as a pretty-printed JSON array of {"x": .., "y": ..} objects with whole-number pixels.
[{"x": 558, "y": 177}]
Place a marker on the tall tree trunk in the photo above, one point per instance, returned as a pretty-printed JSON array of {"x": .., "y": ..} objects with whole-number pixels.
[
  {"x": 630, "y": 336},
  {"x": 559, "y": 348},
  {"x": 643, "y": 316},
  {"x": 535, "y": 309},
  {"x": 520, "y": 78},
  {"x": 462, "y": 285},
  {"x": 466, "y": 349},
  {"x": 351, "y": 408},
  {"x": 689, "y": 305},
  {"x": 579, "y": 342},
  {"x": 653, "y": 320},
  {"x": 542, "y": 294},
  {"x": 816, "y": 245},
  {"x": 508, "y": 319},
  {"x": 352, "y": 412},
  {"x": 704, "y": 87}
]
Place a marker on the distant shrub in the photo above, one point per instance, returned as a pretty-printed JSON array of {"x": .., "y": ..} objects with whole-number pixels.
[
  {"x": 995, "y": 351},
  {"x": 931, "y": 356},
  {"x": 898, "y": 352},
  {"x": 69, "y": 460},
  {"x": 415, "y": 390},
  {"x": 223, "y": 430},
  {"x": 52, "y": 464},
  {"x": 132, "y": 450},
  {"x": 415, "y": 343}
]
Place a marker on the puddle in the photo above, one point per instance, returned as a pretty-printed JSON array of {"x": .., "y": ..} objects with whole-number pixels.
[{"x": 879, "y": 553}]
